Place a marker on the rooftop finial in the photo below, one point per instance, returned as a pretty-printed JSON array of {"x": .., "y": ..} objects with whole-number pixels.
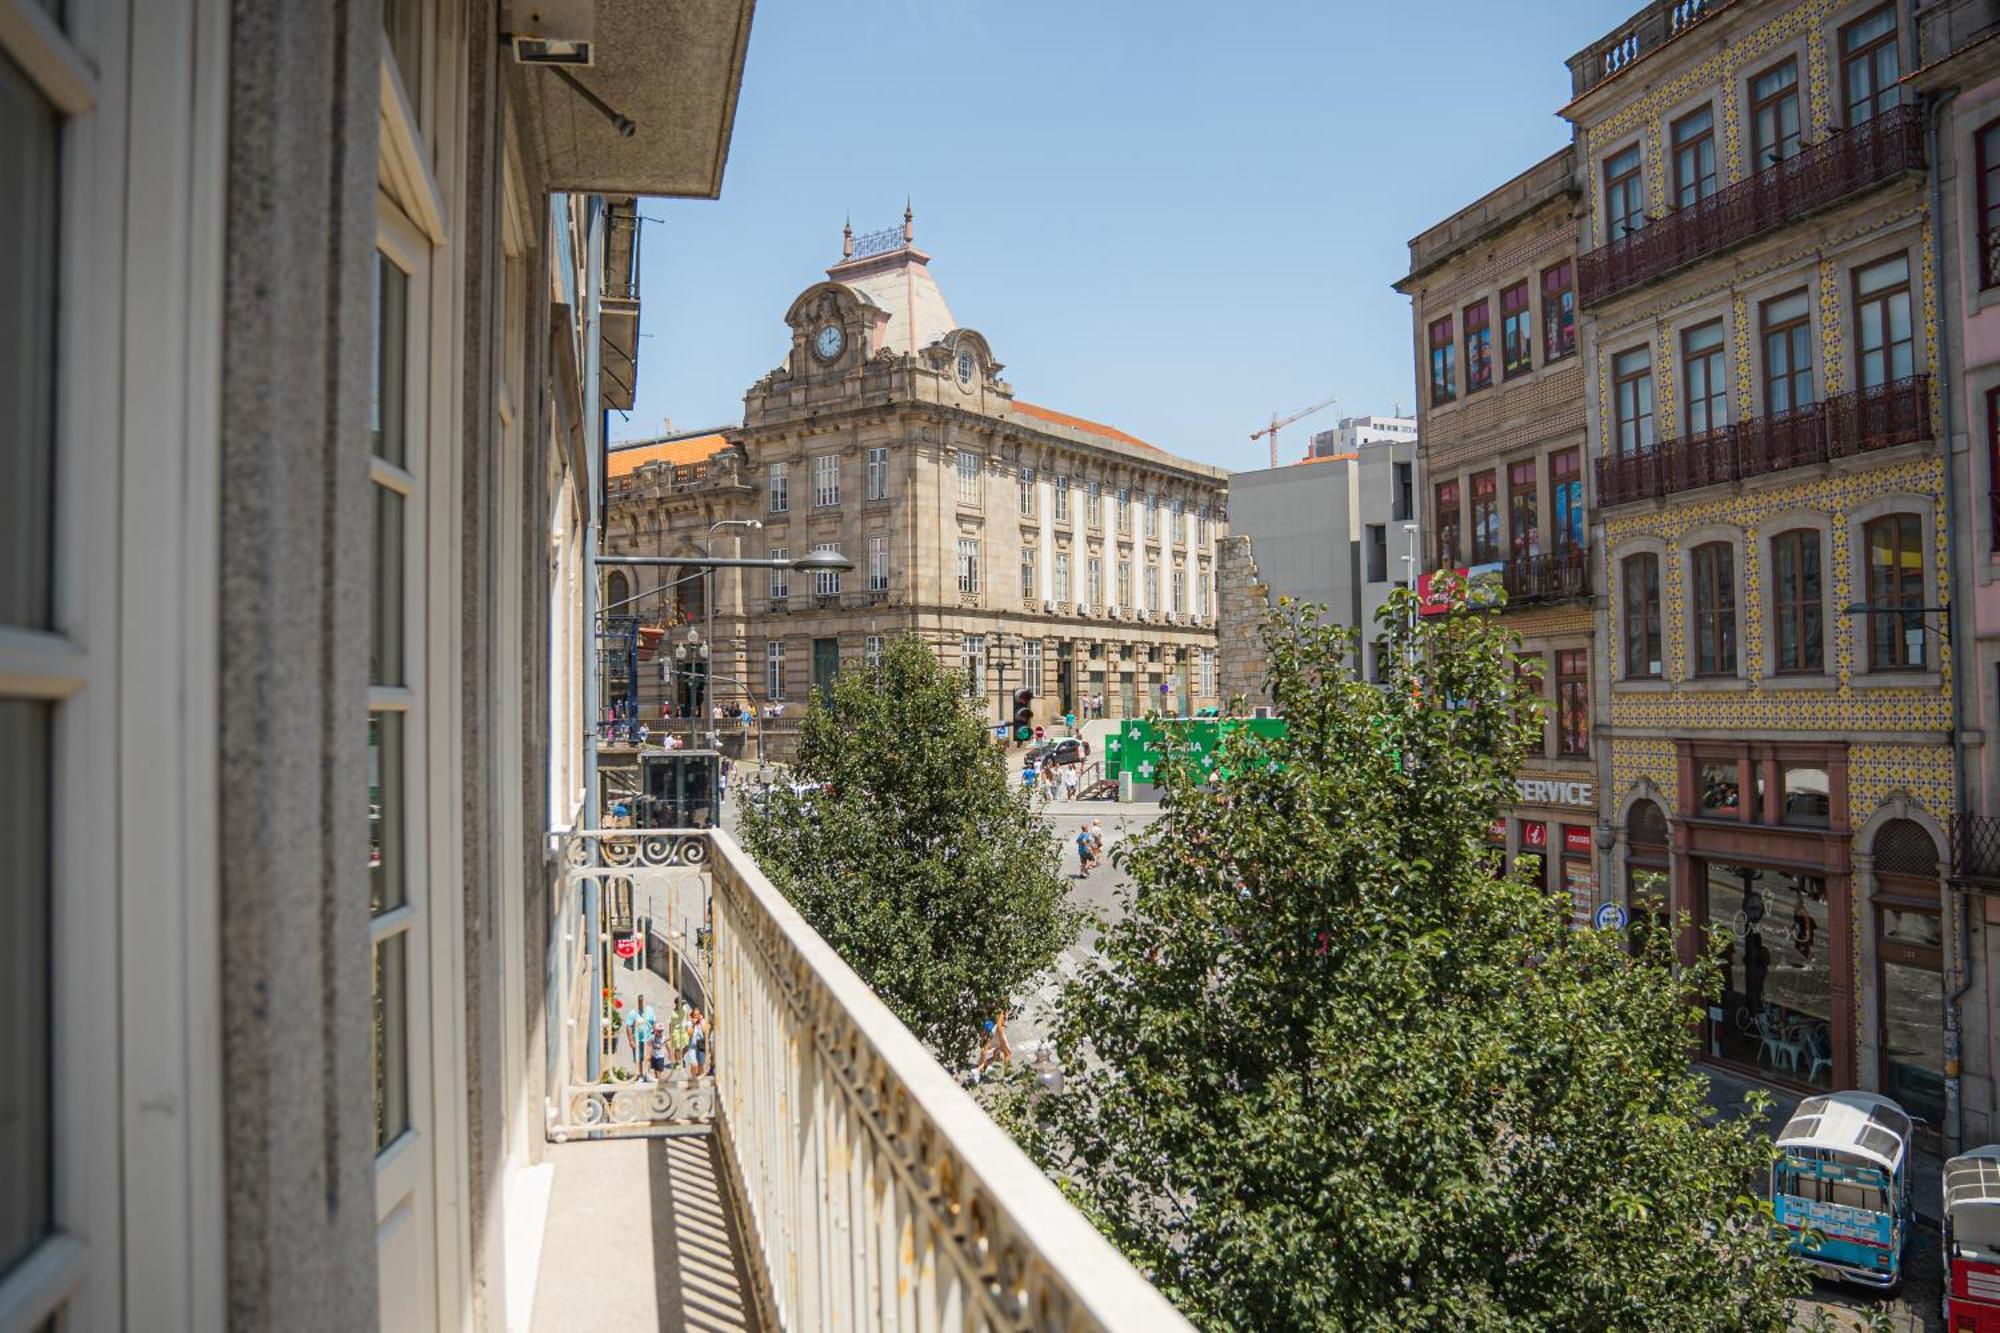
[
  {"x": 908, "y": 217},
  {"x": 847, "y": 238}
]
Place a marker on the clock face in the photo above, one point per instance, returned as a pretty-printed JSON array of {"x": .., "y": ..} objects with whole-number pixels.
[
  {"x": 967, "y": 368},
  {"x": 828, "y": 342}
]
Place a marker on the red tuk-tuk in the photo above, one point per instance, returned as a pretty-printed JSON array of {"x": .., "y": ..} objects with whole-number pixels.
[{"x": 1972, "y": 1241}]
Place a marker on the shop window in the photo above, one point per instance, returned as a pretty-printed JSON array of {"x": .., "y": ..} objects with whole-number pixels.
[
  {"x": 1719, "y": 788},
  {"x": 1909, "y": 951},
  {"x": 1807, "y": 802},
  {"x": 1777, "y": 1009}
]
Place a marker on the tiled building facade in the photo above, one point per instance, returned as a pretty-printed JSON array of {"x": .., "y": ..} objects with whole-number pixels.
[
  {"x": 1777, "y": 335},
  {"x": 1501, "y": 431},
  {"x": 1024, "y": 543}
]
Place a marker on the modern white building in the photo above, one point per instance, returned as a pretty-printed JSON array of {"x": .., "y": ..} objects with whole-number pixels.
[
  {"x": 1339, "y": 528},
  {"x": 1353, "y": 432}
]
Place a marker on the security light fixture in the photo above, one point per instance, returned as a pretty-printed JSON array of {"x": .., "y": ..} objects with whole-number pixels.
[
  {"x": 830, "y": 562},
  {"x": 552, "y": 32}
]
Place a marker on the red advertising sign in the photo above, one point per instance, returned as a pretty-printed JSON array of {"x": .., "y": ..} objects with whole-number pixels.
[
  {"x": 1476, "y": 586},
  {"x": 1496, "y": 832},
  {"x": 1534, "y": 833},
  {"x": 626, "y": 946},
  {"x": 1576, "y": 841}
]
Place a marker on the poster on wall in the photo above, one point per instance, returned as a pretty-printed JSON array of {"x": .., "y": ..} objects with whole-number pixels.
[{"x": 1580, "y": 880}]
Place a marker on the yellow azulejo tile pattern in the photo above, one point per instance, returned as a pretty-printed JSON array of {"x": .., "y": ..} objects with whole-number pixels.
[
  {"x": 1877, "y": 772},
  {"x": 1762, "y": 706},
  {"x": 1722, "y": 70},
  {"x": 1636, "y": 757}
]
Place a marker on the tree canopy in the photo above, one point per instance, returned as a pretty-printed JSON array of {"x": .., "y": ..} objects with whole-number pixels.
[
  {"x": 919, "y": 861},
  {"x": 1337, "y": 1074}
]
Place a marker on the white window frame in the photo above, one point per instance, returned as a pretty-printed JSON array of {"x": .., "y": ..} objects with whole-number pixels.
[
  {"x": 972, "y": 661},
  {"x": 878, "y": 562},
  {"x": 968, "y": 565},
  {"x": 1180, "y": 590},
  {"x": 878, "y": 473},
  {"x": 1027, "y": 492},
  {"x": 826, "y": 480},
  {"x": 1062, "y": 576},
  {"x": 826, "y": 582},
  {"x": 968, "y": 477},
  {"x": 1095, "y": 569},
  {"x": 1124, "y": 581},
  {"x": 1062, "y": 499},
  {"x": 1031, "y": 651},
  {"x": 778, "y": 487},
  {"x": 871, "y": 652},
  {"x": 1028, "y": 572},
  {"x": 774, "y": 669},
  {"x": 1093, "y": 511},
  {"x": 780, "y": 587}
]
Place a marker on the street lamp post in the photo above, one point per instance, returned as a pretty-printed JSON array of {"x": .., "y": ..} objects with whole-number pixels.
[{"x": 813, "y": 562}]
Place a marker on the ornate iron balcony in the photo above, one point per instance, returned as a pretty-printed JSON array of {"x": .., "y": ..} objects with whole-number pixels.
[
  {"x": 1832, "y": 169},
  {"x": 1554, "y": 577},
  {"x": 1856, "y": 422},
  {"x": 1975, "y": 849}
]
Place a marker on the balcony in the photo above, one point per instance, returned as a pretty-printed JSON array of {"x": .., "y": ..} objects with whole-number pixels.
[
  {"x": 1857, "y": 422},
  {"x": 1555, "y": 577},
  {"x": 1844, "y": 164},
  {"x": 619, "y": 307},
  {"x": 1641, "y": 35},
  {"x": 1975, "y": 850},
  {"x": 835, "y": 1171}
]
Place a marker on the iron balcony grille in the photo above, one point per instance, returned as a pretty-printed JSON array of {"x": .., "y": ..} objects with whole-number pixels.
[
  {"x": 1856, "y": 422},
  {"x": 1975, "y": 849},
  {"x": 1554, "y": 577},
  {"x": 1813, "y": 178}
]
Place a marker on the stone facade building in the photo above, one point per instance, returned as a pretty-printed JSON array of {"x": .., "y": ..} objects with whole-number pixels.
[
  {"x": 1501, "y": 435},
  {"x": 1025, "y": 544},
  {"x": 1762, "y": 350}
]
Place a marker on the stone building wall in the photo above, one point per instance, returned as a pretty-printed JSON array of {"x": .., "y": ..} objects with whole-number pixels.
[{"x": 1242, "y": 599}]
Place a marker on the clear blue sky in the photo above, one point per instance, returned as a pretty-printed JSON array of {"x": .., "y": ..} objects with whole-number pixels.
[{"x": 1173, "y": 217}]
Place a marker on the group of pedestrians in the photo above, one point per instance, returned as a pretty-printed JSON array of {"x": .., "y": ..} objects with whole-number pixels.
[
  {"x": 1052, "y": 780},
  {"x": 681, "y": 1042},
  {"x": 1089, "y": 847}
]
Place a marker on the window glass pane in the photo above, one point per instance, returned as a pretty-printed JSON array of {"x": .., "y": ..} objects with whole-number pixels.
[
  {"x": 403, "y": 21},
  {"x": 385, "y": 662},
  {"x": 392, "y": 1040},
  {"x": 1721, "y": 789},
  {"x": 387, "y": 843},
  {"x": 1806, "y": 796},
  {"x": 30, "y": 146},
  {"x": 27, "y": 1143},
  {"x": 388, "y": 420}
]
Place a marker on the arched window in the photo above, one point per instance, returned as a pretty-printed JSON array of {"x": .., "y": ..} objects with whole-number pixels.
[
  {"x": 617, "y": 592},
  {"x": 1646, "y": 869},
  {"x": 1642, "y": 616},
  {"x": 1714, "y": 588}
]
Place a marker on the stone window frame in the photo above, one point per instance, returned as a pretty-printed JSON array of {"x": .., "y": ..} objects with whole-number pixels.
[
  {"x": 1732, "y": 536},
  {"x": 1664, "y": 552}
]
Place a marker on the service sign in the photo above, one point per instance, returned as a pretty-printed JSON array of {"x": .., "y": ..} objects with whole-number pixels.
[{"x": 1556, "y": 791}]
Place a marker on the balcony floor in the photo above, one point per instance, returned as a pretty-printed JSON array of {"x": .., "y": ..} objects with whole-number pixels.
[{"x": 640, "y": 1236}]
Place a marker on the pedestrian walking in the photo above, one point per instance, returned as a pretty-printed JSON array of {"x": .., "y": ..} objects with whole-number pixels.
[
  {"x": 1028, "y": 776},
  {"x": 995, "y": 1043},
  {"x": 658, "y": 1053},
  {"x": 1096, "y": 842},
  {"x": 1069, "y": 779},
  {"x": 698, "y": 1043},
  {"x": 640, "y": 1027},
  {"x": 1085, "y": 861}
]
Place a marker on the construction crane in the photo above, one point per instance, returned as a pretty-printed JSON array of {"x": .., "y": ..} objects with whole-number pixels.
[{"x": 1277, "y": 422}]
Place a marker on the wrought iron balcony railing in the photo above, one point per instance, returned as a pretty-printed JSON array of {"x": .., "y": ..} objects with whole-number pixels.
[
  {"x": 1851, "y": 423},
  {"x": 1975, "y": 849},
  {"x": 1642, "y": 34},
  {"x": 1844, "y": 164},
  {"x": 1554, "y": 577}
]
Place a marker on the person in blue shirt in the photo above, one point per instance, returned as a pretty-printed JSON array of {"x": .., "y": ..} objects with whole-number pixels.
[
  {"x": 1028, "y": 776},
  {"x": 641, "y": 1027}
]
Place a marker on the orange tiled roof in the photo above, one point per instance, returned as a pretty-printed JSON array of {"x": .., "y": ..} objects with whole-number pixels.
[
  {"x": 1081, "y": 423},
  {"x": 1327, "y": 458},
  {"x": 692, "y": 449}
]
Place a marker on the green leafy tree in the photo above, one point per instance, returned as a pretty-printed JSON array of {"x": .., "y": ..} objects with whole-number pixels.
[
  {"x": 919, "y": 861},
  {"x": 1336, "y": 1074}
]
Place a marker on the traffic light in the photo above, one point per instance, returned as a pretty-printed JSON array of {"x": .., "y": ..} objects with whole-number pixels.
[{"x": 1024, "y": 714}]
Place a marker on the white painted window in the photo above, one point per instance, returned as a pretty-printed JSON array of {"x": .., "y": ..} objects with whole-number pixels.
[
  {"x": 826, "y": 582},
  {"x": 871, "y": 652},
  {"x": 1176, "y": 529},
  {"x": 878, "y": 474},
  {"x": 1062, "y": 576},
  {"x": 1208, "y": 673},
  {"x": 1033, "y": 658},
  {"x": 1152, "y": 514},
  {"x": 779, "y": 475},
  {"x": 968, "y": 564},
  {"x": 826, "y": 480},
  {"x": 972, "y": 661},
  {"x": 1152, "y": 585},
  {"x": 1094, "y": 511},
  {"x": 1028, "y": 572},
  {"x": 1180, "y": 591},
  {"x": 774, "y": 669},
  {"x": 1096, "y": 577},
  {"x": 1062, "y": 499},
  {"x": 1124, "y": 583},
  {"x": 968, "y": 476},
  {"x": 1124, "y": 509},
  {"x": 781, "y": 577},
  {"x": 1027, "y": 492},
  {"x": 878, "y": 563},
  {"x": 1201, "y": 591},
  {"x": 1201, "y": 525}
]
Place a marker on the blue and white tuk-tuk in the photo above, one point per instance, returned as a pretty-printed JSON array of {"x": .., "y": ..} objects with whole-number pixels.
[{"x": 1841, "y": 1185}]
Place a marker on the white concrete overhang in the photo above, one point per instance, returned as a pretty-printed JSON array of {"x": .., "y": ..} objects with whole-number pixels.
[{"x": 674, "y": 69}]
